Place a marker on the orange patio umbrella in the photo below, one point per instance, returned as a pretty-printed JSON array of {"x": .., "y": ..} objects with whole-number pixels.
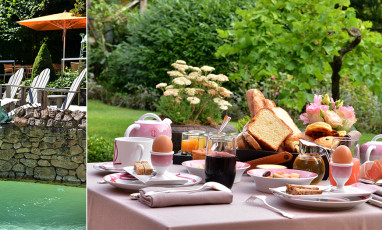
[{"x": 61, "y": 21}]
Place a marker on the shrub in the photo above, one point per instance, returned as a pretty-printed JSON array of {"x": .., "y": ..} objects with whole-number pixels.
[
  {"x": 43, "y": 61},
  {"x": 168, "y": 31},
  {"x": 67, "y": 80},
  {"x": 99, "y": 149}
]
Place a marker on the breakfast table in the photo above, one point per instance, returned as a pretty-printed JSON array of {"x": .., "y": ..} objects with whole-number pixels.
[{"x": 109, "y": 207}]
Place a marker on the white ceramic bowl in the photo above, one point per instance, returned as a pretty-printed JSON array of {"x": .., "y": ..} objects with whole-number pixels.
[
  {"x": 264, "y": 183},
  {"x": 196, "y": 167}
]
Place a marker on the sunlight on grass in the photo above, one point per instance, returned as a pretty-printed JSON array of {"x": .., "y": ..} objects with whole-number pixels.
[{"x": 111, "y": 121}]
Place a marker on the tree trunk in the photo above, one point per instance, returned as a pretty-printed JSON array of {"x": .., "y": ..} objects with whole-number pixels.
[{"x": 336, "y": 64}]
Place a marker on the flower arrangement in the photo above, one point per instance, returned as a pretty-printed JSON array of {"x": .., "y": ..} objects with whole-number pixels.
[
  {"x": 195, "y": 95},
  {"x": 340, "y": 117}
]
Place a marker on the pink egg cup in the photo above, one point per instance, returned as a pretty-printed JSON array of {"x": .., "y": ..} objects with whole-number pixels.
[
  {"x": 341, "y": 173},
  {"x": 161, "y": 162}
]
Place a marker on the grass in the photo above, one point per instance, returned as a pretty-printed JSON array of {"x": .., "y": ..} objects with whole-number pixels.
[{"x": 110, "y": 122}]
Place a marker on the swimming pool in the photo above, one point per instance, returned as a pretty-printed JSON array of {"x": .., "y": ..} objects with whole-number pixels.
[{"x": 25, "y": 205}]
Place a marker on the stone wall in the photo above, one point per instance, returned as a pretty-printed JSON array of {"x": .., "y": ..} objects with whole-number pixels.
[{"x": 50, "y": 150}]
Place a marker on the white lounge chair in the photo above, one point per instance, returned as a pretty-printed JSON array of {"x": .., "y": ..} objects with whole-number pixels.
[{"x": 11, "y": 87}]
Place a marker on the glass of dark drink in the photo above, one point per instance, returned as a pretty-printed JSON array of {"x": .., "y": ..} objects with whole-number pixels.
[{"x": 220, "y": 163}]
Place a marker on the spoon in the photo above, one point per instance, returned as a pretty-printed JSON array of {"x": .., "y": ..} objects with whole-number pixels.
[
  {"x": 224, "y": 124},
  {"x": 210, "y": 185}
]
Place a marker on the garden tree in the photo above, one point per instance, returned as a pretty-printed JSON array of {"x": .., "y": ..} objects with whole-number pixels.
[
  {"x": 370, "y": 10},
  {"x": 22, "y": 43},
  {"x": 43, "y": 61},
  {"x": 311, "y": 43}
]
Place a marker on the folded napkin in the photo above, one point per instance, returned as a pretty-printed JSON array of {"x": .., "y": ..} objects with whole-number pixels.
[{"x": 183, "y": 198}]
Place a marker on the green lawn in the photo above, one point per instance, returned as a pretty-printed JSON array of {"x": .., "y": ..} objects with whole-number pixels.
[{"x": 111, "y": 121}]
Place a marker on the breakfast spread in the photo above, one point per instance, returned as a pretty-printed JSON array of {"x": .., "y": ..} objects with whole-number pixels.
[
  {"x": 143, "y": 168},
  {"x": 302, "y": 190},
  {"x": 278, "y": 174}
]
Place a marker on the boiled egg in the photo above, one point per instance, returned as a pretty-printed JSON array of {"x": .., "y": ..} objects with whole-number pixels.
[
  {"x": 162, "y": 144},
  {"x": 342, "y": 155}
]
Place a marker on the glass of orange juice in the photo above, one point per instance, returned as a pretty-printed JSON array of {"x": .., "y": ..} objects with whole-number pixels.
[{"x": 354, "y": 147}]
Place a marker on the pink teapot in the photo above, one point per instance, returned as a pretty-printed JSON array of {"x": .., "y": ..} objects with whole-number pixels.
[
  {"x": 371, "y": 151},
  {"x": 149, "y": 128}
]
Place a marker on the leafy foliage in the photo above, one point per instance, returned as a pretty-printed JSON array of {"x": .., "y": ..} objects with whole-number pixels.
[
  {"x": 67, "y": 80},
  {"x": 43, "y": 61},
  {"x": 99, "y": 149},
  {"x": 298, "y": 39},
  {"x": 369, "y": 10},
  {"x": 168, "y": 31},
  {"x": 79, "y": 8}
]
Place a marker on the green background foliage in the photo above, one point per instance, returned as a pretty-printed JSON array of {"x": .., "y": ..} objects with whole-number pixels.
[
  {"x": 300, "y": 38},
  {"x": 43, "y": 61},
  {"x": 21, "y": 43}
]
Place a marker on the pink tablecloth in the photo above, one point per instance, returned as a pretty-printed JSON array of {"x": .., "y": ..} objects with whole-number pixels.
[{"x": 111, "y": 208}]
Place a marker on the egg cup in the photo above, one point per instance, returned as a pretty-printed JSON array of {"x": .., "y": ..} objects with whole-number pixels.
[
  {"x": 161, "y": 162},
  {"x": 341, "y": 173}
]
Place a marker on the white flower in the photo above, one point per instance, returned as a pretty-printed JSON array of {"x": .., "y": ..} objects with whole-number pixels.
[
  {"x": 180, "y": 67},
  {"x": 190, "y": 91},
  {"x": 223, "y": 107},
  {"x": 222, "y": 78},
  {"x": 196, "y": 69},
  {"x": 171, "y": 92},
  {"x": 170, "y": 87},
  {"x": 180, "y": 62},
  {"x": 175, "y": 73},
  {"x": 161, "y": 85},
  {"x": 207, "y": 68},
  {"x": 213, "y": 77},
  {"x": 213, "y": 84},
  {"x": 182, "y": 81},
  {"x": 193, "y": 100},
  {"x": 217, "y": 100},
  {"x": 193, "y": 75}
]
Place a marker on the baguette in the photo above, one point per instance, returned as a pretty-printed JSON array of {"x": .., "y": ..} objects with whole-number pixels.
[{"x": 256, "y": 101}]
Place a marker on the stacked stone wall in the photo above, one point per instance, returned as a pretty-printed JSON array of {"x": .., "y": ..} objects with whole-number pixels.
[{"x": 55, "y": 153}]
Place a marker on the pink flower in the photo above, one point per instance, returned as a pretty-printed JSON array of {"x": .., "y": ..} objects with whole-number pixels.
[
  {"x": 277, "y": 94},
  {"x": 317, "y": 99},
  {"x": 346, "y": 112},
  {"x": 312, "y": 114},
  {"x": 273, "y": 77},
  {"x": 333, "y": 119},
  {"x": 250, "y": 76},
  {"x": 333, "y": 104}
]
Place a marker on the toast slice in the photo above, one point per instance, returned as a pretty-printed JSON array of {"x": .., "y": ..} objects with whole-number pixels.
[
  {"x": 302, "y": 190},
  {"x": 138, "y": 168},
  {"x": 148, "y": 168},
  {"x": 284, "y": 115},
  {"x": 268, "y": 129}
]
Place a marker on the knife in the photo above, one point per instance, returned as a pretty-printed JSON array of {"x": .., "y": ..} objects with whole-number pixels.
[{"x": 277, "y": 158}]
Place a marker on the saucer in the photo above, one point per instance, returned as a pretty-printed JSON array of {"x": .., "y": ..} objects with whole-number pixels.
[
  {"x": 127, "y": 181},
  {"x": 166, "y": 179},
  {"x": 107, "y": 167}
]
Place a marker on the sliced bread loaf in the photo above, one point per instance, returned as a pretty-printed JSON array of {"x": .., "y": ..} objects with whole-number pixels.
[
  {"x": 284, "y": 115},
  {"x": 269, "y": 130}
]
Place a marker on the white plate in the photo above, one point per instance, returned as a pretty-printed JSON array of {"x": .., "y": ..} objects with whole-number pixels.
[
  {"x": 107, "y": 167},
  {"x": 127, "y": 181},
  {"x": 378, "y": 182},
  {"x": 323, "y": 202},
  {"x": 167, "y": 179},
  {"x": 350, "y": 191}
]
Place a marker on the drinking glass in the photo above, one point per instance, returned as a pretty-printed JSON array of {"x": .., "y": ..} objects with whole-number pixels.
[
  {"x": 220, "y": 165},
  {"x": 353, "y": 145},
  {"x": 190, "y": 141}
]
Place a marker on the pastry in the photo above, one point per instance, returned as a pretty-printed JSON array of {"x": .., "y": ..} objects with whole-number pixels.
[
  {"x": 292, "y": 142},
  {"x": 319, "y": 129},
  {"x": 138, "y": 168},
  {"x": 327, "y": 142}
]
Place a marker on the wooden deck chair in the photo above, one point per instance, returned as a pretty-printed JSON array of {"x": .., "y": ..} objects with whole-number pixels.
[
  {"x": 74, "y": 88},
  {"x": 38, "y": 82},
  {"x": 13, "y": 83}
]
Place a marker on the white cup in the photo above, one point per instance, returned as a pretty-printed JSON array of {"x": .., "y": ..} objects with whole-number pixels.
[{"x": 128, "y": 150}]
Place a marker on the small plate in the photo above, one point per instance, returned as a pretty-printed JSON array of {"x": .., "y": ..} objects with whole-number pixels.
[
  {"x": 127, "y": 181},
  {"x": 167, "y": 179},
  {"x": 326, "y": 203},
  {"x": 350, "y": 191},
  {"x": 107, "y": 167},
  {"x": 378, "y": 182}
]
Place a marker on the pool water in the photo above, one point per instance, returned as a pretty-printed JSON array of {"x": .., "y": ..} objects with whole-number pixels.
[{"x": 25, "y": 205}]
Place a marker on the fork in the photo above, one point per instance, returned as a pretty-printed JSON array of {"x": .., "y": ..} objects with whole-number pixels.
[{"x": 262, "y": 198}]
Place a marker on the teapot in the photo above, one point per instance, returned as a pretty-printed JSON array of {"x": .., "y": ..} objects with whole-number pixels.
[
  {"x": 371, "y": 151},
  {"x": 149, "y": 128}
]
